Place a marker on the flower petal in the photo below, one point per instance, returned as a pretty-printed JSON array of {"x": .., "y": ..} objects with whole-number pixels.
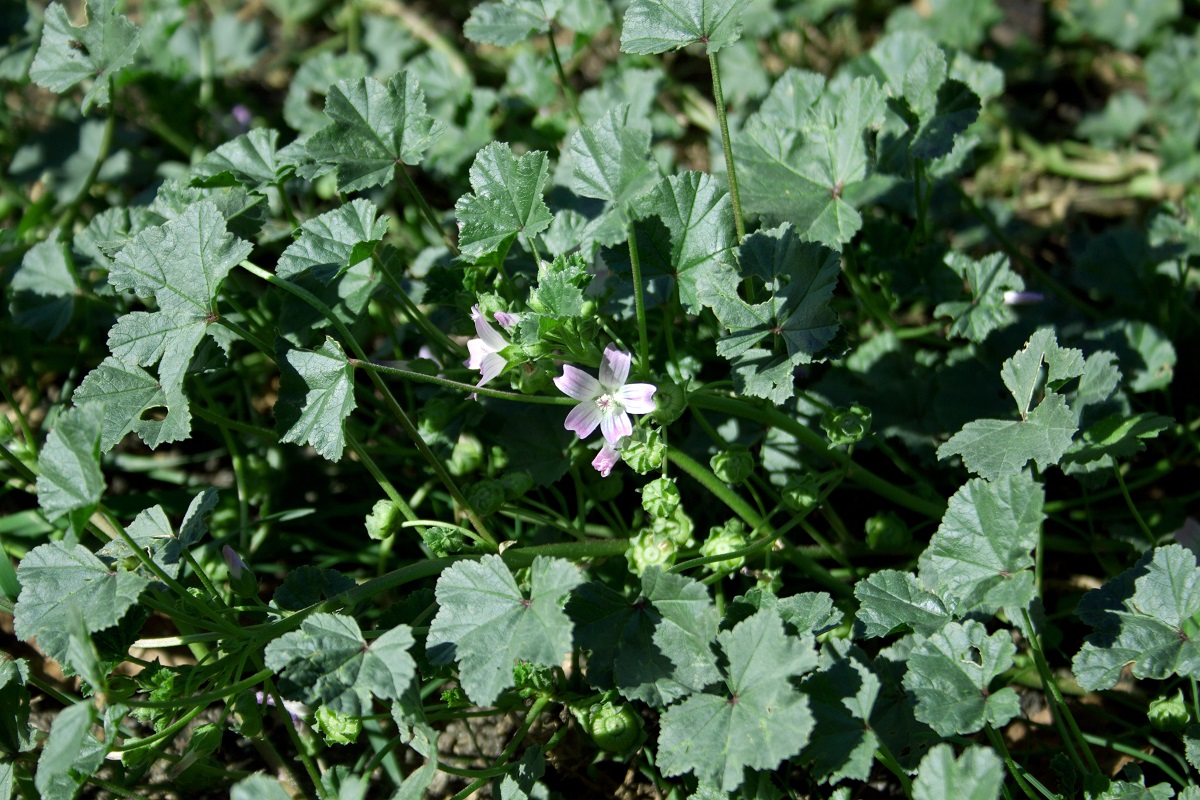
[
  {"x": 578, "y": 384},
  {"x": 614, "y": 368},
  {"x": 637, "y": 398},
  {"x": 583, "y": 419},
  {"x": 614, "y": 426},
  {"x": 493, "y": 365},
  {"x": 506, "y": 320},
  {"x": 605, "y": 460},
  {"x": 491, "y": 337}
]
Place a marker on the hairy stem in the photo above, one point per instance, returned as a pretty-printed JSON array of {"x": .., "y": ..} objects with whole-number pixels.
[
  {"x": 730, "y": 168},
  {"x": 639, "y": 304}
]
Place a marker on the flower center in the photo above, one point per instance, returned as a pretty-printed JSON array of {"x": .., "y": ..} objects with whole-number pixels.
[{"x": 607, "y": 403}]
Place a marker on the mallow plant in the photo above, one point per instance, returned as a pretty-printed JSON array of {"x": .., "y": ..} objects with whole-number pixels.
[{"x": 315, "y": 310}]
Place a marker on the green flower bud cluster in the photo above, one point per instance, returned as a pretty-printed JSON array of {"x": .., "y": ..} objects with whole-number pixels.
[
  {"x": 644, "y": 453},
  {"x": 733, "y": 465},
  {"x": 383, "y": 521},
  {"x": 613, "y": 725},
  {"x": 845, "y": 426},
  {"x": 335, "y": 727},
  {"x": 670, "y": 401},
  {"x": 650, "y": 549},
  {"x": 660, "y": 497},
  {"x": 725, "y": 539},
  {"x": 886, "y": 531},
  {"x": 443, "y": 541},
  {"x": 802, "y": 494},
  {"x": 533, "y": 679},
  {"x": 466, "y": 457},
  {"x": 1169, "y": 713}
]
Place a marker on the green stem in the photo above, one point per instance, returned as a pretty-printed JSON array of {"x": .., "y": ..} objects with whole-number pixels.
[
  {"x": 730, "y": 169},
  {"x": 246, "y": 335},
  {"x": 389, "y": 399},
  {"x": 1140, "y": 755},
  {"x": 499, "y": 767},
  {"x": 288, "y": 725},
  {"x": 1059, "y": 704},
  {"x": 885, "y": 757},
  {"x": 25, "y": 473},
  {"x": 752, "y": 518},
  {"x": 245, "y": 429},
  {"x": 22, "y": 419},
  {"x": 382, "y": 480},
  {"x": 639, "y": 304},
  {"x": 863, "y": 293},
  {"x": 426, "y": 209},
  {"x": 1133, "y": 507},
  {"x": 106, "y": 140},
  {"x": 422, "y": 377},
  {"x": 568, "y": 93},
  {"x": 814, "y": 443},
  {"x": 998, "y": 743},
  {"x": 203, "y": 700},
  {"x": 418, "y": 318}
]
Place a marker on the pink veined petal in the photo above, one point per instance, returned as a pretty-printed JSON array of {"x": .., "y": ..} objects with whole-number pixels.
[
  {"x": 493, "y": 365},
  {"x": 491, "y": 337},
  {"x": 637, "y": 398},
  {"x": 506, "y": 320},
  {"x": 583, "y": 419},
  {"x": 605, "y": 460},
  {"x": 478, "y": 350},
  {"x": 614, "y": 368},
  {"x": 578, "y": 384},
  {"x": 614, "y": 426}
]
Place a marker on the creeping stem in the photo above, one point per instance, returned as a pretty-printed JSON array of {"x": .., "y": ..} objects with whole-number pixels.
[{"x": 639, "y": 304}]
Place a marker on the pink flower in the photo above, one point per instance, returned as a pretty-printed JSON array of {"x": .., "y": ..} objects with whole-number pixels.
[
  {"x": 606, "y": 459},
  {"x": 607, "y": 402},
  {"x": 485, "y": 351}
]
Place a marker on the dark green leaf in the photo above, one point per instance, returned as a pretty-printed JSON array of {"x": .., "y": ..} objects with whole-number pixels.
[
  {"x": 69, "y": 476},
  {"x": 978, "y": 774},
  {"x": 59, "y": 580},
  {"x": 249, "y": 160},
  {"x": 327, "y": 662},
  {"x": 890, "y": 600},
  {"x": 699, "y": 215},
  {"x": 97, "y": 50},
  {"x": 759, "y": 720},
  {"x": 795, "y": 164},
  {"x": 987, "y": 280},
  {"x": 1144, "y": 618},
  {"x": 335, "y": 241},
  {"x": 950, "y": 674},
  {"x": 507, "y": 202},
  {"x": 125, "y": 393},
  {"x": 656, "y": 647},
  {"x": 656, "y": 26},
  {"x": 316, "y": 395},
  {"x": 71, "y": 754},
  {"x": 611, "y": 162},
  {"x": 995, "y": 448},
  {"x": 16, "y": 734},
  {"x": 981, "y": 556},
  {"x": 486, "y": 624},
  {"x": 44, "y": 289},
  {"x": 375, "y": 130}
]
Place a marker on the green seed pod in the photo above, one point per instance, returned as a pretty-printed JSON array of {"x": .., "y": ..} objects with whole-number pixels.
[
  {"x": 533, "y": 377},
  {"x": 725, "y": 539},
  {"x": 802, "y": 494},
  {"x": 614, "y": 726},
  {"x": 670, "y": 401},
  {"x": 886, "y": 531},
  {"x": 733, "y": 465},
  {"x": 649, "y": 549},
  {"x": 335, "y": 727},
  {"x": 678, "y": 528},
  {"x": 645, "y": 453},
  {"x": 383, "y": 521},
  {"x": 846, "y": 426},
  {"x": 467, "y": 456},
  {"x": 660, "y": 497},
  {"x": 1169, "y": 713}
]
